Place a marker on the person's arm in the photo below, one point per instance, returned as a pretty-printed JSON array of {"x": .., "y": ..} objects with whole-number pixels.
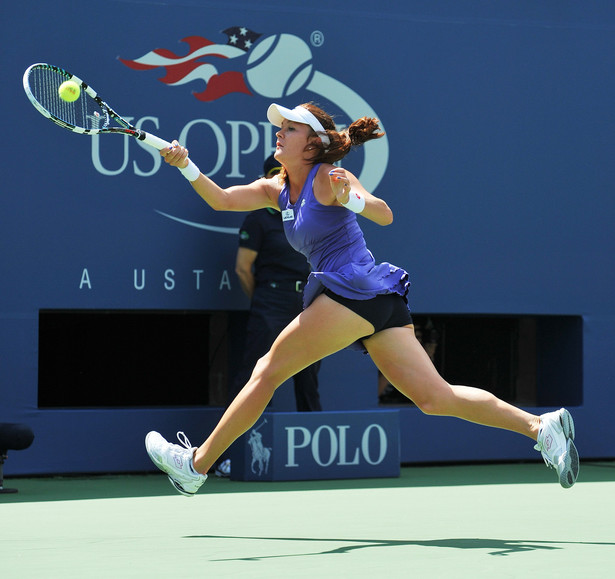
[
  {"x": 256, "y": 195},
  {"x": 243, "y": 268},
  {"x": 343, "y": 185}
]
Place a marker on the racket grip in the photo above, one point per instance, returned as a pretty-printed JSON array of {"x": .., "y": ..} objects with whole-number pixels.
[{"x": 153, "y": 140}]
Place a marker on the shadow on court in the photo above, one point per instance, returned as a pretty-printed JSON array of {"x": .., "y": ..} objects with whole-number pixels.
[
  {"x": 475, "y": 521},
  {"x": 498, "y": 547}
]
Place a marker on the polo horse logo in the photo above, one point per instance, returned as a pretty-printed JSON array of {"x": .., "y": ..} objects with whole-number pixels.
[{"x": 260, "y": 454}]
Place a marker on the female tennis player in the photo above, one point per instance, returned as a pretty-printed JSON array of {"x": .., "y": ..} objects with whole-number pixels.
[{"x": 349, "y": 300}]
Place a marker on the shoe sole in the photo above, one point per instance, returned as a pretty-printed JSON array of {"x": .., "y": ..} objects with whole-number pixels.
[
  {"x": 179, "y": 488},
  {"x": 570, "y": 472},
  {"x": 567, "y": 423}
]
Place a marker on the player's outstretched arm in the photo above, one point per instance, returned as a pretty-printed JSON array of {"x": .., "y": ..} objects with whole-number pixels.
[{"x": 256, "y": 195}]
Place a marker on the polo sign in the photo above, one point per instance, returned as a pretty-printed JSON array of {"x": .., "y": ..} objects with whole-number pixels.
[{"x": 319, "y": 445}]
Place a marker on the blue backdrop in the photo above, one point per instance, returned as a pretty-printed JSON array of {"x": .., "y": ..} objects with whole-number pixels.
[{"x": 498, "y": 165}]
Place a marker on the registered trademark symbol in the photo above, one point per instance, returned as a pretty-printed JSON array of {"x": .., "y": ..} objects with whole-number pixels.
[{"x": 317, "y": 38}]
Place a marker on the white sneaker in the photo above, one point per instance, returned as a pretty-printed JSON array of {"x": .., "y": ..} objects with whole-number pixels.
[
  {"x": 224, "y": 468},
  {"x": 555, "y": 443},
  {"x": 175, "y": 461}
]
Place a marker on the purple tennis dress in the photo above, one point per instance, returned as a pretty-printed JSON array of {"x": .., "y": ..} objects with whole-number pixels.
[{"x": 332, "y": 241}]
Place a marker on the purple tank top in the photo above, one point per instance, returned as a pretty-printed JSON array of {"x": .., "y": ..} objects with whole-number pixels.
[{"x": 332, "y": 241}]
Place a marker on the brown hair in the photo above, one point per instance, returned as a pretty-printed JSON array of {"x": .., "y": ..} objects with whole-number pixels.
[{"x": 359, "y": 132}]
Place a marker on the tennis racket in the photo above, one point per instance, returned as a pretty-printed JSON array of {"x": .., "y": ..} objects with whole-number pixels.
[{"x": 88, "y": 115}]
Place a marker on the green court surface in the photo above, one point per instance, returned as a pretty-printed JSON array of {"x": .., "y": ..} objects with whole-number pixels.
[{"x": 505, "y": 520}]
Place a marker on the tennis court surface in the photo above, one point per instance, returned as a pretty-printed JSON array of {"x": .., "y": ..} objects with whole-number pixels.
[{"x": 504, "y": 520}]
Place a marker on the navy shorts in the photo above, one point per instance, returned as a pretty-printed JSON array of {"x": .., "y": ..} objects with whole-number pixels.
[{"x": 384, "y": 311}]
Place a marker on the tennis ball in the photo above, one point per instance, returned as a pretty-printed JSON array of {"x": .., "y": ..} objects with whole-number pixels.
[
  {"x": 69, "y": 91},
  {"x": 279, "y": 66}
]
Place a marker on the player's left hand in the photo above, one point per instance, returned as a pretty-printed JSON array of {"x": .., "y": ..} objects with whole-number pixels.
[{"x": 340, "y": 184}]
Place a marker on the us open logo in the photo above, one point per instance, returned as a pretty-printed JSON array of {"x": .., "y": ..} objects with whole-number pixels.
[{"x": 271, "y": 67}]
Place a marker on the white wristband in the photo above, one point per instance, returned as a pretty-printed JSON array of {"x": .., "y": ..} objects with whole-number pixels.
[
  {"x": 190, "y": 171},
  {"x": 355, "y": 203}
]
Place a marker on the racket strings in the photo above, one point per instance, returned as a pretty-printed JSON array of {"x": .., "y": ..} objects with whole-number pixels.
[{"x": 85, "y": 112}]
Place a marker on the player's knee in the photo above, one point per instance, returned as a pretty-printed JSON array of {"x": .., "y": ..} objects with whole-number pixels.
[
  {"x": 265, "y": 374},
  {"x": 435, "y": 400},
  {"x": 429, "y": 406}
]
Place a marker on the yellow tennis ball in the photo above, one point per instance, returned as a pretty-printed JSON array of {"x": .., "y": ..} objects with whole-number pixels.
[{"x": 69, "y": 91}]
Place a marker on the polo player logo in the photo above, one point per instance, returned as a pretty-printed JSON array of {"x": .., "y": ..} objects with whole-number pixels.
[{"x": 260, "y": 453}]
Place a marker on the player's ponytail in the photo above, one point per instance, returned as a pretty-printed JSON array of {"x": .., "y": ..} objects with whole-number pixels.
[{"x": 363, "y": 130}]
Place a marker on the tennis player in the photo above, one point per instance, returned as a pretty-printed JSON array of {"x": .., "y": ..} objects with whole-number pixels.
[{"x": 349, "y": 300}]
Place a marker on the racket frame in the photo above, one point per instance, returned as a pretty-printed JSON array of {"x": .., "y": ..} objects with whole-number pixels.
[{"x": 125, "y": 129}]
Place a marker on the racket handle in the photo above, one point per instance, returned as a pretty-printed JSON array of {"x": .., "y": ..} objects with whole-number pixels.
[{"x": 153, "y": 140}]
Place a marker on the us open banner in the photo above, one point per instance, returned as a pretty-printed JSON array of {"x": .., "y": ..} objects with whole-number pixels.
[{"x": 318, "y": 445}]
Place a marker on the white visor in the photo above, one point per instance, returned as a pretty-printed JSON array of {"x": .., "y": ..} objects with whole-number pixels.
[{"x": 277, "y": 113}]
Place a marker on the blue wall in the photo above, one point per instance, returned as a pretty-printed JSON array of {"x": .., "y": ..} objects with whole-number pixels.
[{"x": 498, "y": 164}]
